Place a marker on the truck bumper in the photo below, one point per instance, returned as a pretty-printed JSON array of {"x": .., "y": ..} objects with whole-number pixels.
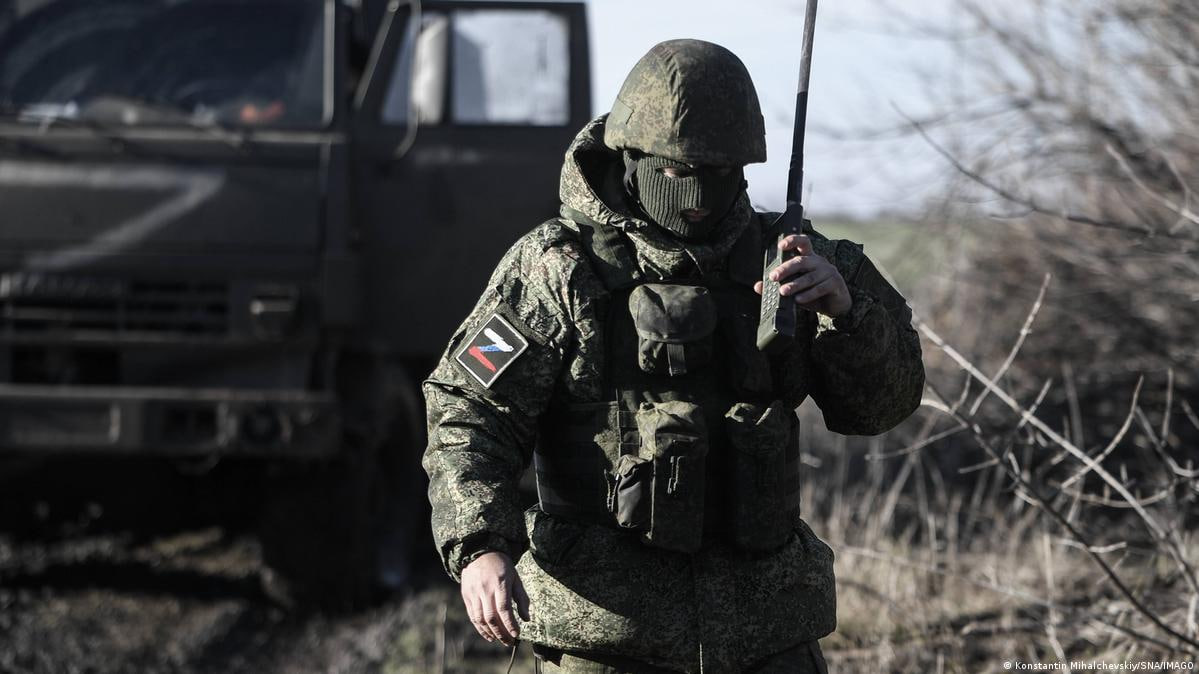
[{"x": 167, "y": 421}]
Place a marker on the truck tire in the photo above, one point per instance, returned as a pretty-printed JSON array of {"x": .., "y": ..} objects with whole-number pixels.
[{"x": 339, "y": 534}]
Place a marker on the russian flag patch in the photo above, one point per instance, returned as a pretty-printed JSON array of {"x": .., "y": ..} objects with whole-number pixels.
[{"x": 491, "y": 350}]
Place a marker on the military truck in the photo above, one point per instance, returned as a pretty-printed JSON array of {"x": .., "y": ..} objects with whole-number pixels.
[{"x": 241, "y": 231}]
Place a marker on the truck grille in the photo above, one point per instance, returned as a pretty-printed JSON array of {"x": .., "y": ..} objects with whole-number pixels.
[{"x": 44, "y": 303}]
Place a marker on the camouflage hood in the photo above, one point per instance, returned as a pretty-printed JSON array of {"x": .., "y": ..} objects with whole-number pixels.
[{"x": 591, "y": 190}]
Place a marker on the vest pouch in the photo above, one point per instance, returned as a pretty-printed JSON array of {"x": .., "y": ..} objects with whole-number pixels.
[
  {"x": 631, "y": 492},
  {"x": 760, "y": 488},
  {"x": 675, "y": 439},
  {"x": 674, "y": 326}
]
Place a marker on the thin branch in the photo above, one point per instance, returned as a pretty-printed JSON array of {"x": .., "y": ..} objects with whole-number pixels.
[
  {"x": 1011, "y": 356},
  {"x": 1190, "y": 414},
  {"x": 1028, "y": 201},
  {"x": 1036, "y": 403},
  {"x": 978, "y": 466},
  {"x": 1180, "y": 210},
  {"x": 1038, "y": 424},
  {"x": 1111, "y": 446},
  {"x": 997, "y": 588},
  {"x": 1051, "y": 587},
  {"x": 1072, "y": 402},
  {"x": 915, "y": 447},
  {"x": 1165, "y": 431},
  {"x": 1043, "y": 503},
  {"x": 1158, "y": 446},
  {"x": 1114, "y": 547},
  {"x": 1193, "y": 615},
  {"x": 1156, "y": 498}
]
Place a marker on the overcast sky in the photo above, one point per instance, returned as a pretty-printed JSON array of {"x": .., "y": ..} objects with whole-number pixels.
[{"x": 861, "y": 70}]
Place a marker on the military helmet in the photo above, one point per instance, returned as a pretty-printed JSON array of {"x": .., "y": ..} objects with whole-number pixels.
[{"x": 690, "y": 101}]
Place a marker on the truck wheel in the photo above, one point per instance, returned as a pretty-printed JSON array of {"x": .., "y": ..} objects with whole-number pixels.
[
  {"x": 315, "y": 532},
  {"x": 338, "y": 534}
]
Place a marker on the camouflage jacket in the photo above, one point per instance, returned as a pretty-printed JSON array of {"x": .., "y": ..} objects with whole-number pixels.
[{"x": 598, "y": 589}]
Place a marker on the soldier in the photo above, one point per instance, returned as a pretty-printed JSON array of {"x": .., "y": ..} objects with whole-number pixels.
[{"x": 614, "y": 349}]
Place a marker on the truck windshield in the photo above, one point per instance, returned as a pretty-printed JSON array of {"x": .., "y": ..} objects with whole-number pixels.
[{"x": 163, "y": 62}]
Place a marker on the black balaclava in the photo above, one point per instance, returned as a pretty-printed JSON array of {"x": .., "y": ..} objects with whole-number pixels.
[{"x": 663, "y": 198}]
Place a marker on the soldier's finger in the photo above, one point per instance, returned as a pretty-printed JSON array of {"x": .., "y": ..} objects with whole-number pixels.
[
  {"x": 491, "y": 617},
  {"x": 802, "y": 283},
  {"x": 522, "y": 597},
  {"x": 814, "y": 293},
  {"x": 796, "y": 265},
  {"x": 474, "y": 611},
  {"x": 503, "y": 605},
  {"x": 758, "y": 287},
  {"x": 797, "y": 242}
]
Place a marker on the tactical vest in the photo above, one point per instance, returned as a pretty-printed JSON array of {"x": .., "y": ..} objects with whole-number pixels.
[{"x": 689, "y": 443}]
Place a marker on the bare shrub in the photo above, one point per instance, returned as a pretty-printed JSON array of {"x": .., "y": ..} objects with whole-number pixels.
[
  {"x": 1044, "y": 506},
  {"x": 1094, "y": 163}
]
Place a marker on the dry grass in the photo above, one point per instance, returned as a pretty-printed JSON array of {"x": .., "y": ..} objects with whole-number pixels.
[
  {"x": 926, "y": 589},
  {"x": 435, "y": 637}
]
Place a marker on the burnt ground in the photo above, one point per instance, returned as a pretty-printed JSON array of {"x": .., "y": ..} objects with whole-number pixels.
[{"x": 133, "y": 569}]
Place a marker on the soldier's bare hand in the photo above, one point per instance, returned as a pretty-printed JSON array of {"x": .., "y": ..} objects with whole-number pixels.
[
  {"x": 813, "y": 282},
  {"x": 490, "y": 585}
]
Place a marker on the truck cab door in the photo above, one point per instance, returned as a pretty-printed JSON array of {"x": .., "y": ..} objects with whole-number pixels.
[{"x": 461, "y": 124}]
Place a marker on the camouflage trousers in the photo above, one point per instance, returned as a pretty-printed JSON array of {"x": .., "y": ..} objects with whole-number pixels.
[{"x": 805, "y": 658}]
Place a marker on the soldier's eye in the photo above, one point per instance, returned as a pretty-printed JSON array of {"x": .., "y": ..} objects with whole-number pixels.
[{"x": 673, "y": 172}]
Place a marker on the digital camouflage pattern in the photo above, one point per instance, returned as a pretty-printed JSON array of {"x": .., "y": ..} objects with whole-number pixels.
[
  {"x": 690, "y": 101},
  {"x": 674, "y": 325},
  {"x": 597, "y": 588},
  {"x": 480, "y": 439},
  {"x": 762, "y": 474},
  {"x": 804, "y": 658}
]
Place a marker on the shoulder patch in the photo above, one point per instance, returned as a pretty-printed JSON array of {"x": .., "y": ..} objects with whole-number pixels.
[{"x": 493, "y": 347}]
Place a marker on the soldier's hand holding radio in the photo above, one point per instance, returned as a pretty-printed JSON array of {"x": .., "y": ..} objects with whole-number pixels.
[{"x": 812, "y": 281}]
